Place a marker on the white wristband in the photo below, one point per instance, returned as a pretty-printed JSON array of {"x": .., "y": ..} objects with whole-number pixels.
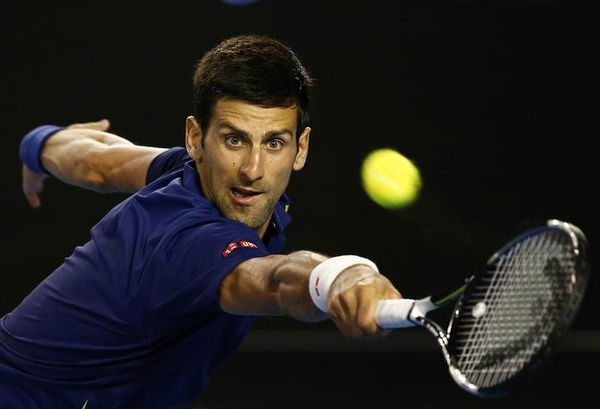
[{"x": 324, "y": 274}]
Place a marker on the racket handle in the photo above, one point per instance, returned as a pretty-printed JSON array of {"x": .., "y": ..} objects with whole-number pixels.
[{"x": 394, "y": 313}]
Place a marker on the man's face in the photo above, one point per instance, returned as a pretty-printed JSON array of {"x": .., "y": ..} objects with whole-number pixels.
[{"x": 246, "y": 158}]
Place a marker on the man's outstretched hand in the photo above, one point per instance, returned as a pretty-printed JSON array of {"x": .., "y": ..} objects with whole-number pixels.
[
  {"x": 353, "y": 299},
  {"x": 33, "y": 183}
]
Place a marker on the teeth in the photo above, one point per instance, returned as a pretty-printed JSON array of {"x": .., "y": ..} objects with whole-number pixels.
[{"x": 242, "y": 193}]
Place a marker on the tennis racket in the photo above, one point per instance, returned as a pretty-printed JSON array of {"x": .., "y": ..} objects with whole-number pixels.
[{"x": 509, "y": 317}]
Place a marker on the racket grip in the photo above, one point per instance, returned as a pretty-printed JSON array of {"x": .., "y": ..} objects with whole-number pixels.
[{"x": 394, "y": 313}]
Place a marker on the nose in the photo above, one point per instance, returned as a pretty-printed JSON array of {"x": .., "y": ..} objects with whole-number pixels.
[{"x": 252, "y": 167}]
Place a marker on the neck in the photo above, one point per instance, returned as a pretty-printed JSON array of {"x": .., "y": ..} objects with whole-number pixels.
[{"x": 263, "y": 229}]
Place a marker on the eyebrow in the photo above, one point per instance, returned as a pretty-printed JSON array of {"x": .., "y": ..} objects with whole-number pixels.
[
  {"x": 225, "y": 124},
  {"x": 270, "y": 134}
]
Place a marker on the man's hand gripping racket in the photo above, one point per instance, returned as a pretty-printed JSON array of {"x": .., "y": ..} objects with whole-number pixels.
[{"x": 511, "y": 315}]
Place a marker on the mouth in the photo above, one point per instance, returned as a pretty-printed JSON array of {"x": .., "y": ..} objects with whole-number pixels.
[{"x": 244, "y": 197}]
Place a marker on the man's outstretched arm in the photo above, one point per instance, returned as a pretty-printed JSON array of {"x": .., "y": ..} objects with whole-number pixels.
[
  {"x": 87, "y": 156},
  {"x": 279, "y": 285}
]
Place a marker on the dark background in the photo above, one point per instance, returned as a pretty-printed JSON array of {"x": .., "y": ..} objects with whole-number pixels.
[{"x": 495, "y": 101}]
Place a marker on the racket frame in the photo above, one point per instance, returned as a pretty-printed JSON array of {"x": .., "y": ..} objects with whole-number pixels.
[{"x": 409, "y": 312}]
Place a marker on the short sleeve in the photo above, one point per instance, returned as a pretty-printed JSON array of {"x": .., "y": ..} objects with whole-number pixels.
[
  {"x": 193, "y": 265},
  {"x": 168, "y": 161}
]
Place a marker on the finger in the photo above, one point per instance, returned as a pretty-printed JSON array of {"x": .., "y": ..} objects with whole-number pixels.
[
  {"x": 364, "y": 305},
  {"x": 32, "y": 185},
  {"x": 343, "y": 311},
  {"x": 365, "y": 319},
  {"x": 101, "y": 125},
  {"x": 339, "y": 308},
  {"x": 354, "y": 312},
  {"x": 32, "y": 189},
  {"x": 364, "y": 313},
  {"x": 33, "y": 199}
]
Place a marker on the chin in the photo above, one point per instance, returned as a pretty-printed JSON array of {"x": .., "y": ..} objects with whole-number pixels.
[
  {"x": 249, "y": 220},
  {"x": 254, "y": 217}
]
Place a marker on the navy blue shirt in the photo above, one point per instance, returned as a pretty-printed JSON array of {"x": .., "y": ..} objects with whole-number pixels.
[{"x": 132, "y": 319}]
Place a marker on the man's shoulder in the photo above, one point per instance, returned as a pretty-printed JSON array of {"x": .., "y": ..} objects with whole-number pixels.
[{"x": 170, "y": 160}]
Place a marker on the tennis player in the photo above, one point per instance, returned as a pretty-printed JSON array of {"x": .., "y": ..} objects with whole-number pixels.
[{"x": 173, "y": 277}]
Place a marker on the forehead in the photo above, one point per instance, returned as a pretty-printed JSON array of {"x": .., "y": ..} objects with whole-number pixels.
[{"x": 253, "y": 118}]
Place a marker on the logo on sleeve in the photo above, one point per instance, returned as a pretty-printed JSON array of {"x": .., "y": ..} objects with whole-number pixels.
[{"x": 234, "y": 245}]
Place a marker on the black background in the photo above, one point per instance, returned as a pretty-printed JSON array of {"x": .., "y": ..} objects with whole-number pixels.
[{"x": 495, "y": 101}]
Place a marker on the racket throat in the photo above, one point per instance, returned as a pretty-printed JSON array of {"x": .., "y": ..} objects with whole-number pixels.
[
  {"x": 438, "y": 332},
  {"x": 442, "y": 340}
]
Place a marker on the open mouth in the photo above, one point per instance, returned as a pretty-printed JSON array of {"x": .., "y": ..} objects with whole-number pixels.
[
  {"x": 240, "y": 192},
  {"x": 244, "y": 197}
]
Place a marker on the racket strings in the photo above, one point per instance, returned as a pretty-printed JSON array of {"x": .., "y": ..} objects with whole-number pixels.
[{"x": 510, "y": 314}]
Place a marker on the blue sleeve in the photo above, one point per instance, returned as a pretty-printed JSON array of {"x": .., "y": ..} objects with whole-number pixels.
[
  {"x": 192, "y": 266},
  {"x": 166, "y": 162}
]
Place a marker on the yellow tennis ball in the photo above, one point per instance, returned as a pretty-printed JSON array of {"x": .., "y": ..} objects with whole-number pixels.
[{"x": 390, "y": 179}]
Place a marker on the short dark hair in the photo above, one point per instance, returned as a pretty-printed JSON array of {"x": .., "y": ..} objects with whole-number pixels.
[{"x": 254, "y": 69}]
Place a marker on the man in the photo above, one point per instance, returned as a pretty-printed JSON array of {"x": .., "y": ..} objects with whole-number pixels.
[{"x": 173, "y": 277}]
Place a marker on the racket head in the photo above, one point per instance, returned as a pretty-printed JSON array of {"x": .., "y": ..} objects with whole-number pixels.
[{"x": 512, "y": 315}]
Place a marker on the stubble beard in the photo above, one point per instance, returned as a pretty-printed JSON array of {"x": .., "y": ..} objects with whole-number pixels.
[{"x": 252, "y": 216}]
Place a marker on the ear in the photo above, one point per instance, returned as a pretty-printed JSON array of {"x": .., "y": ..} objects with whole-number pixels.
[
  {"x": 302, "y": 153},
  {"x": 193, "y": 138}
]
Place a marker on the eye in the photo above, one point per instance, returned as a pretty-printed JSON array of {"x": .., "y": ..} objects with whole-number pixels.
[
  {"x": 234, "y": 140},
  {"x": 275, "y": 144}
]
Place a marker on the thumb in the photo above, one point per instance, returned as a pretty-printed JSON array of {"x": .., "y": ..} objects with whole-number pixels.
[{"x": 101, "y": 125}]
